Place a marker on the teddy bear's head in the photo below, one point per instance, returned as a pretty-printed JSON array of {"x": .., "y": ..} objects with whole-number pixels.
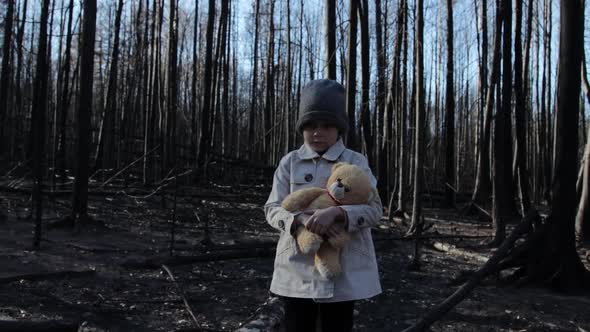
[{"x": 349, "y": 184}]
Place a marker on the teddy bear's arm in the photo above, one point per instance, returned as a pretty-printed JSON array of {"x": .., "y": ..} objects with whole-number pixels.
[{"x": 300, "y": 199}]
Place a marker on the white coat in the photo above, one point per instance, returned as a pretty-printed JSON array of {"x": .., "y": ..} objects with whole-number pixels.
[{"x": 294, "y": 274}]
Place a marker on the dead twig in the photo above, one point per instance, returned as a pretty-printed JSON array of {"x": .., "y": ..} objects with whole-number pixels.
[
  {"x": 490, "y": 266},
  {"x": 19, "y": 164},
  {"x": 179, "y": 288},
  {"x": 164, "y": 183},
  {"x": 128, "y": 166},
  {"x": 266, "y": 318}
]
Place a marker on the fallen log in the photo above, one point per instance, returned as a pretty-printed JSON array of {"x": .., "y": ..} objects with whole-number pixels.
[
  {"x": 181, "y": 293},
  {"x": 267, "y": 317},
  {"x": 489, "y": 267},
  {"x": 137, "y": 193},
  {"x": 428, "y": 237},
  {"x": 46, "y": 276},
  {"x": 453, "y": 250},
  {"x": 38, "y": 326},
  {"x": 157, "y": 262}
]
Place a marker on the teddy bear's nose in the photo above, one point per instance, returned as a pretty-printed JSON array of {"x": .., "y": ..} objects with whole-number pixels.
[{"x": 340, "y": 185}]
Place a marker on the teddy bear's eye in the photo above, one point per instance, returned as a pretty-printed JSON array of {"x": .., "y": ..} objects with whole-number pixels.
[{"x": 346, "y": 189}]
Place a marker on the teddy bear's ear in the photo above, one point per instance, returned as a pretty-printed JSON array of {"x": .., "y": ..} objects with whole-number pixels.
[{"x": 336, "y": 165}]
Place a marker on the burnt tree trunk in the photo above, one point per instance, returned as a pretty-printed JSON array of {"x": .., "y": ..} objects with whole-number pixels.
[
  {"x": 404, "y": 152},
  {"x": 330, "y": 39},
  {"x": 65, "y": 93},
  {"x": 393, "y": 103},
  {"x": 269, "y": 82},
  {"x": 195, "y": 70},
  {"x": 483, "y": 183},
  {"x": 19, "y": 87},
  {"x": 502, "y": 133},
  {"x": 253, "y": 89},
  {"x": 351, "y": 76},
  {"x": 205, "y": 141},
  {"x": 365, "y": 78},
  {"x": 5, "y": 71},
  {"x": 38, "y": 121},
  {"x": 289, "y": 118},
  {"x": 450, "y": 168},
  {"x": 380, "y": 165},
  {"x": 80, "y": 196},
  {"x": 172, "y": 87},
  {"x": 549, "y": 256},
  {"x": 104, "y": 156},
  {"x": 520, "y": 118},
  {"x": 583, "y": 215},
  {"x": 420, "y": 118}
]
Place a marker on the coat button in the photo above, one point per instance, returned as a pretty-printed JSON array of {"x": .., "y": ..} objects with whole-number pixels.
[
  {"x": 281, "y": 224},
  {"x": 308, "y": 177},
  {"x": 360, "y": 221}
]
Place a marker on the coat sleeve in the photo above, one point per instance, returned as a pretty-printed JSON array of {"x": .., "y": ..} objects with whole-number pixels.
[
  {"x": 278, "y": 217},
  {"x": 364, "y": 215}
]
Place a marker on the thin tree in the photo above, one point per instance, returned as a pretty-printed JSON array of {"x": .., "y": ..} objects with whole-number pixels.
[
  {"x": 363, "y": 11},
  {"x": 545, "y": 123},
  {"x": 521, "y": 130},
  {"x": 506, "y": 104},
  {"x": 226, "y": 12},
  {"x": 583, "y": 215},
  {"x": 80, "y": 196},
  {"x": 450, "y": 168},
  {"x": 403, "y": 111},
  {"x": 330, "y": 39},
  {"x": 254, "y": 86},
  {"x": 483, "y": 183},
  {"x": 5, "y": 71},
  {"x": 194, "y": 89},
  {"x": 172, "y": 86},
  {"x": 549, "y": 255},
  {"x": 387, "y": 156},
  {"x": 503, "y": 195},
  {"x": 65, "y": 94},
  {"x": 19, "y": 99},
  {"x": 420, "y": 119},
  {"x": 104, "y": 156},
  {"x": 205, "y": 141},
  {"x": 288, "y": 85},
  {"x": 38, "y": 121},
  {"x": 380, "y": 96},
  {"x": 269, "y": 81},
  {"x": 351, "y": 75}
]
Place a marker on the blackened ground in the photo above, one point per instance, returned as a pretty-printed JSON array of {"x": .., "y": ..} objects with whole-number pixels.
[{"x": 104, "y": 294}]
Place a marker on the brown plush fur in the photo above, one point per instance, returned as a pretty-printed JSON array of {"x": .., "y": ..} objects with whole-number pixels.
[{"x": 354, "y": 188}]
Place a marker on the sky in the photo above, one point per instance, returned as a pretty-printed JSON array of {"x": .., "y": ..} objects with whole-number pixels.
[{"x": 435, "y": 27}]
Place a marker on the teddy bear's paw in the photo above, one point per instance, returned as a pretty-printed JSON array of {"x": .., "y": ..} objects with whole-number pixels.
[
  {"x": 327, "y": 261},
  {"x": 327, "y": 270},
  {"x": 309, "y": 243}
]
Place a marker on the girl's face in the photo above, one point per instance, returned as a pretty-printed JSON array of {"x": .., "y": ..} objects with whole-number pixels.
[{"x": 320, "y": 135}]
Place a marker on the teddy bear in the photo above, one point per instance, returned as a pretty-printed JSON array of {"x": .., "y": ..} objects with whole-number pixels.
[{"x": 348, "y": 184}]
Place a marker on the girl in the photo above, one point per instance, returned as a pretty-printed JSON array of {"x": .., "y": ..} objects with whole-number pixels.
[{"x": 307, "y": 295}]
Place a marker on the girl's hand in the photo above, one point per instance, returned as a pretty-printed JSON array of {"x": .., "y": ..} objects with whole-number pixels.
[
  {"x": 322, "y": 219},
  {"x": 335, "y": 230},
  {"x": 303, "y": 216}
]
